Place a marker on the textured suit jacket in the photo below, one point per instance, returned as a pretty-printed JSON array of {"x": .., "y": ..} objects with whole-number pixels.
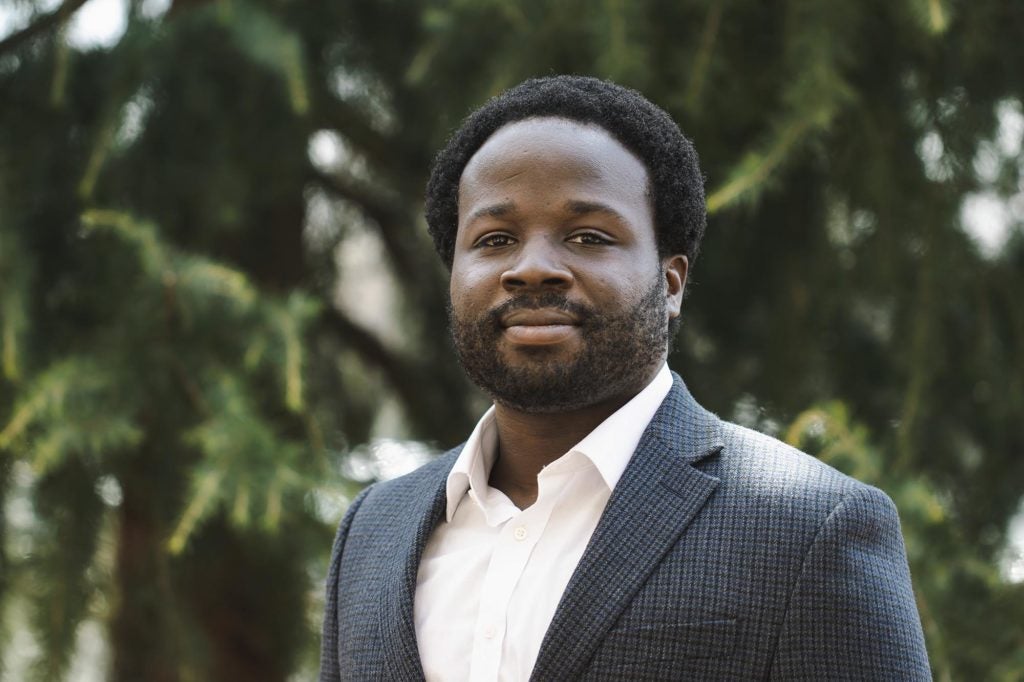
[{"x": 722, "y": 555}]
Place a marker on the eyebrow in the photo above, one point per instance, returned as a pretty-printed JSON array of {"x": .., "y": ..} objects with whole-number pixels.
[
  {"x": 585, "y": 207},
  {"x": 573, "y": 206},
  {"x": 493, "y": 211}
]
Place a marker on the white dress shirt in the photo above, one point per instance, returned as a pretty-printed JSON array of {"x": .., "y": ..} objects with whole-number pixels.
[{"x": 492, "y": 575}]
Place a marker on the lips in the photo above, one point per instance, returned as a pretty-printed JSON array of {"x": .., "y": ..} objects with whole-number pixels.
[
  {"x": 537, "y": 318},
  {"x": 539, "y": 327}
]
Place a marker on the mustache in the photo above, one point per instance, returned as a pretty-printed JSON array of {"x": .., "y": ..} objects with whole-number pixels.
[{"x": 550, "y": 300}]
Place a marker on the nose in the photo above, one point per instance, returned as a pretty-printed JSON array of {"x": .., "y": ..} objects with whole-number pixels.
[{"x": 536, "y": 266}]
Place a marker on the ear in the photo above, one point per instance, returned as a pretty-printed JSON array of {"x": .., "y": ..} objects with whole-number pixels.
[{"x": 675, "y": 269}]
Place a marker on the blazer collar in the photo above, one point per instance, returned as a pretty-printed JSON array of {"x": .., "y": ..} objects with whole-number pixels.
[
  {"x": 400, "y": 564},
  {"x": 657, "y": 497}
]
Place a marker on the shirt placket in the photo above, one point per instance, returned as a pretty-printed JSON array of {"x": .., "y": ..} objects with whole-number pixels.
[{"x": 512, "y": 551}]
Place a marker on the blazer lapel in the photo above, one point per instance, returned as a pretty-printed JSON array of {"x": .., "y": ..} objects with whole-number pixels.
[
  {"x": 398, "y": 579},
  {"x": 658, "y": 495}
]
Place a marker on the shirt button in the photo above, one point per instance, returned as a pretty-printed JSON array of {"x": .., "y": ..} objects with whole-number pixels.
[
  {"x": 519, "y": 533},
  {"x": 488, "y": 632}
]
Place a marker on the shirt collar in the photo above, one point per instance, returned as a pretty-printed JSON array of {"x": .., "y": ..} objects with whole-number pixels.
[
  {"x": 609, "y": 446},
  {"x": 473, "y": 466}
]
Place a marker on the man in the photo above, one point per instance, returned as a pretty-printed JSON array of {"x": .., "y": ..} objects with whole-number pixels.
[{"x": 598, "y": 523}]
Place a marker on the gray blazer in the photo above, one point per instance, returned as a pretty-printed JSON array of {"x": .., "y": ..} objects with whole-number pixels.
[{"x": 722, "y": 555}]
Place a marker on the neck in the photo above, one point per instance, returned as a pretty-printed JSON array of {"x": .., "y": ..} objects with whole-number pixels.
[{"x": 529, "y": 441}]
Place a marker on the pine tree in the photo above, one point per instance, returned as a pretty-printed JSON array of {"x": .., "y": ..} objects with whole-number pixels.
[{"x": 183, "y": 374}]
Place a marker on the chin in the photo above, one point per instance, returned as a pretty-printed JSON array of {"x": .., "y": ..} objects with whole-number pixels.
[{"x": 556, "y": 386}]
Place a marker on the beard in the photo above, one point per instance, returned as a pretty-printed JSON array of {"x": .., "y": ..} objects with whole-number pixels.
[{"x": 619, "y": 351}]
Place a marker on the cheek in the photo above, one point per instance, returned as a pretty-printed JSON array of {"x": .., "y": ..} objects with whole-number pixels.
[
  {"x": 457, "y": 304},
  {"x": 622, "y": 288},
  {"x": 465, "y": 288}
]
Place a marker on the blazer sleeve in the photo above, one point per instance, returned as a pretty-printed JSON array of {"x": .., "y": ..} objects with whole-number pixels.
[
  {"x": 329, "y": 669},
  {"x": 852, "y": 613}
]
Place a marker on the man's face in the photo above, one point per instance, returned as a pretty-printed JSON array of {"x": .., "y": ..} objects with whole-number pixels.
[{"x": 559, "y": 300}]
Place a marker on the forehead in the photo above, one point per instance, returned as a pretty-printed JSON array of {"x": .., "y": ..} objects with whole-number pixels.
[{"x": 556, "y": 148}]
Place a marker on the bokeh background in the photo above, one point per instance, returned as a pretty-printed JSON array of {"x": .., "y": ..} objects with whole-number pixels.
[{"x": 220, "y": 313}]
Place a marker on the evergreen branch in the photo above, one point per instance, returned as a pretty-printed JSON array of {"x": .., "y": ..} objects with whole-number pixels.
[
  {"x": 367, "y": 344},
  {"x": 240, "y": 506},
  {"x": 9, "y": 344},
  {"x": 811, "y": 422},
  {"x": 48, "y": 392},
  {"x": 938, "y": 22},
  {"x": 188, "y": 385},
  {"x": 424, "y": 58},
  {"x": 337, "y": 114},
  {"x": 395, "y": 229},
  {"x": 199, "y": 275},
  {"x": 154, "y": 253},
  {"x": 48, "y": 451},
  {"x": 921, "y": 363},
  {"x": 68, "y": 411},
  {"x": 59, "y": 83},
  {"x": 209, "y": 277},
  {"x": 813, "y": 96},
  {"x": 757, "y": 168},
  {"x": 244, "y": 459},
  {"x": 43, "y": 24},
  {"x": 290, "y": 321},
  {"x": 293, "y": 371},
  {"x": 272, "y": 514},
  {"x": 698, "y": 74},
  {"x": 375, "y": 205},
  {"x": 298, "y": 91},
  {"x": 263, "y": 38},
  {"x": 380, "y": 210},
  {"x": 14, "y": 292},
  {"x": 102, "y": 146},
  {"x": 206, "y": 490},
  {"x": 398, "y": 372}
]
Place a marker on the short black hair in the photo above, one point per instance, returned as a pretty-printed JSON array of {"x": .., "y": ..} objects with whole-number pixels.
[{"x": 676, "y": 182}]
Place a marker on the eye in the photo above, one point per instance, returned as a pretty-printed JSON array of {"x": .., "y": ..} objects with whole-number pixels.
[
  {"x": 494, "y": 240},
  {"x": 589, "y": 239}
]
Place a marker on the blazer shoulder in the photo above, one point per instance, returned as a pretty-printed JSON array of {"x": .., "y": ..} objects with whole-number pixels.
[
  {"x": 402, "y": 491},
  {"x": 759, "y": 466}
]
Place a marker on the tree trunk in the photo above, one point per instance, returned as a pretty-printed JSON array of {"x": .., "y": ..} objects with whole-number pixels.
[{"x": 142, "y": 637}]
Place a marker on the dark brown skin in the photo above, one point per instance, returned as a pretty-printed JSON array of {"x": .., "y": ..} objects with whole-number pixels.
[{"x": 551, "y": 204}]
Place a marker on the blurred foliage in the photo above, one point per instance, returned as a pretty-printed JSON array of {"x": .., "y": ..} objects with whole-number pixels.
[{"x": 193, "y": 221}]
